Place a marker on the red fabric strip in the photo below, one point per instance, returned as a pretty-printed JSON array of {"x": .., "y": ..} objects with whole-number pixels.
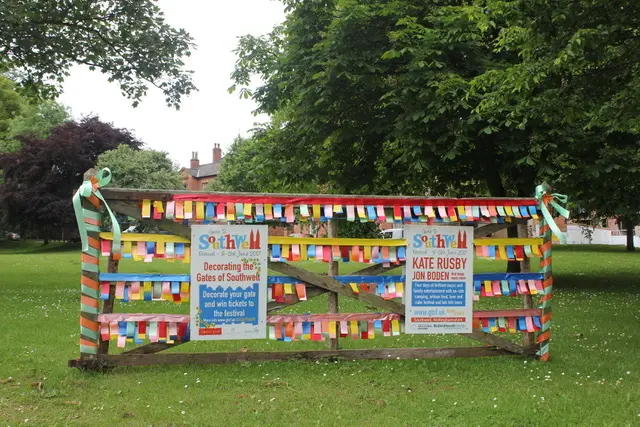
[{"x": 355, "y": 200}]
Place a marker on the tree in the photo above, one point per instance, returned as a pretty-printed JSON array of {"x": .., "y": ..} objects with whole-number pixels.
[
  {"x": 606, "y": 182},
  {"x": 384, "y": 98},
  {"x": 40, "y": 178},
  {"x": 11, "y": 105},
  {"x": 34, "y": 121},
  {"x": 127, "y": 40},
  {"x": 133, "y": 168}
]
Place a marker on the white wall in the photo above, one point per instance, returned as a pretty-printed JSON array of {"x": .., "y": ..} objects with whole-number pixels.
[{"x": 600, "y": 236}]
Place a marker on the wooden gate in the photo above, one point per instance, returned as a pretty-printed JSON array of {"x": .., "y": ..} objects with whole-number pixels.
[{"x": 174, "y": 211}]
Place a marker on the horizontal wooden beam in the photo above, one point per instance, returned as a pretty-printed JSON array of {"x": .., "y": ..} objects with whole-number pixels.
[
  {"x": 514, "y": 312},
  {"x": 495, "y": 340},
  {"x": 131, "y": 194},
  {"x": 153, "y": 347},
  {"x": 376, "y": 269},
  {"x": 312, "y": 292},
  {"x": 106, "y": 361},
  {"x": 164, "y": 224},
  {"x": 333, "y": 285}
]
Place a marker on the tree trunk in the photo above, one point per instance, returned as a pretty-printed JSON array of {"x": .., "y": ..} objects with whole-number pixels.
[
  {"x": 46, "y": 237},
  {"x": 629, "y": 225}
]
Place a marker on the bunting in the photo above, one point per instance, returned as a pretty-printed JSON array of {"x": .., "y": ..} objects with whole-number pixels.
[{"x": 224, "y": 208}]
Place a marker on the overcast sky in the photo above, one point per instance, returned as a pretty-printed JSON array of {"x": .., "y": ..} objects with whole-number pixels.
[{"x": 209, "y": 116}]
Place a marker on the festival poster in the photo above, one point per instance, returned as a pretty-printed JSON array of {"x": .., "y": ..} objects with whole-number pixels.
[
  {"x": 439, "y": 281},
  {"x": 228, "y": 282}
]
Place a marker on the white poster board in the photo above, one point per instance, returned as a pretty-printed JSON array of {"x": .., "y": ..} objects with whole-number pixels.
[
  {"x": 439, "y": 280},
  {"x": 228, "y": 282}
]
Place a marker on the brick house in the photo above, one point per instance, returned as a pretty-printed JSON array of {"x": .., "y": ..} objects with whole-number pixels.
[{"x": 197, "y": 176}]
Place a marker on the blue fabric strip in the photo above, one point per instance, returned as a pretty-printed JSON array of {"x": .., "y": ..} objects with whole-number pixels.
[
  {"x": 492, "y": 252},
  {"x": 417, "y": 211},
  {"x": 209, "y": 211},
  {"x": 524, "y": 212},
  {"x": 151, "y": 248},
  {"x": 513, "y": 286},
  {"x": 477, "y": 285},
  {"x": 522, "y": 324},
  {"x": 135, "y": 277},
  {"x": 533, "y": 210},
  {"x": 175, "y": 288},
  {"x": 277, "y": 210},
  {"x": 371, "y": 213},
  {"x": 510, "y": 253},
  {"x": 275, "y": 251},
  {"x": 402, "y": 252},
  {"x": 536, "y": 321},
  {"x": 507, "y": 276},
  {"x": 179, "y": 248},
  {"x": 342, "y": 279}
]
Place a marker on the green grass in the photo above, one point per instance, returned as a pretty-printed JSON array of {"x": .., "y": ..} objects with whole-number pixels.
[{"x": 592, "y": 379}]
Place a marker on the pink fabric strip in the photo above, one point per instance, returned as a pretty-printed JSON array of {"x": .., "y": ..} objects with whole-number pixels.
[
  {"x": 338, "y": 317},
  {"x": 141, "y": 317}
]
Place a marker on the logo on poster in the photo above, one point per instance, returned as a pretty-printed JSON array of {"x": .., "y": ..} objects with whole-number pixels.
[
  {"x": 230, "y": 241},
  {"x": 440, "y": 241}
]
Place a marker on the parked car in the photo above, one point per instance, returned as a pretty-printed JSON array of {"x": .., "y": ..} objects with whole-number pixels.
[
  {"x": 13, "y": 236},
  {"x": 393, "y": 233},
  {"x": 300, "y": 235}
]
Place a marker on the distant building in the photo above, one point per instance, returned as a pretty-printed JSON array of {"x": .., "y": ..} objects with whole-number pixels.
[{"x": 197, "y": 176}]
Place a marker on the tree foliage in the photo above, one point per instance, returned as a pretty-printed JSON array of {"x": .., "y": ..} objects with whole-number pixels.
[
  {"x": 40, "y": 178},
  {"x": 21, "y": 116},
  {"x": 129, "y": 41},
  {"x": 147, "y": 169},
  {"x": 409, "y": 96},
  {"x": 400, "y": 95}
]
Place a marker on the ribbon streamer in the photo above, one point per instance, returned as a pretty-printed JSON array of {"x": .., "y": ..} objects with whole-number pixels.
[
  {"x": 92, "y": 186},
  {"x": 545, "y": 198}
]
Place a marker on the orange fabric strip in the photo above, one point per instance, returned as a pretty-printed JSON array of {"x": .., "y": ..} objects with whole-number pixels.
[
  {"x": 93, "y": 242},
  {"x": 94, "y": 201},
  {"x": 545, "y": 357},
  {"x": 544, "y": 336},
  {"x": 88, "y": 343},
  {"x": 545, "y": 247},
  {"x": 89, "y": 259},
  {"x": 93, "y": 284},
  {"x": 547, "y": 283},
  {"x": 88, "y": 323},
  {"x": 544, "y": 262},
  {"x": 91, "y": 302},
  {"x": 92, "y": 221},
  {"x": 545, "y": 298},
  {"x": 546, "y": 318}
]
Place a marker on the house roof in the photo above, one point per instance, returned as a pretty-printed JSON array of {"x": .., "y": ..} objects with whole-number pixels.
[{"x": 208, "y": 169}]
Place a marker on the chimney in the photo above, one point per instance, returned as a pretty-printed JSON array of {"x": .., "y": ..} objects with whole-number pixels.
[
  {"x": 217, "y": 153},
  {"x": 195, "y": 163}
]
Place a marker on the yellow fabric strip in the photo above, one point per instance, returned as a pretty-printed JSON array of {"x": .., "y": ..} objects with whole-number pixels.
[
  {"x": 275, "y": 240},
  {"x": 199, "y": 210},
  {"x": 502, "y": 251},
  {"x": 508, "y": 242},
  {"x": 141, "y": 237},
  {"x": 146, "y": 208},
  {"x": 188, "y": 208}
]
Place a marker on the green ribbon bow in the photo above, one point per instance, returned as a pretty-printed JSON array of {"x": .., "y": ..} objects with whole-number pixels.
[
  {"x": 542, "y": 193},
  {"x": 102, "y": 178}
]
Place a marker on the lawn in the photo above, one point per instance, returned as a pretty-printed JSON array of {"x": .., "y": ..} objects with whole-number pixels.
[{"x": 592, "y": 378}]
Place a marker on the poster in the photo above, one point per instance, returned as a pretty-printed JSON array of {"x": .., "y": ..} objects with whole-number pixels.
[
  {"x": 228, "y": 282},
  {"x": 439, "y": 275}
]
